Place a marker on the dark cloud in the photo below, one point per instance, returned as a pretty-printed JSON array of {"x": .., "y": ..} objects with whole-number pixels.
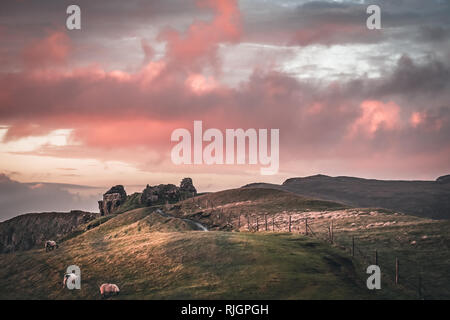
[
  {"x": 402, "y": 113},
  {"x": 330, "y": 22},
  {"x": 433, "y": 33},
  {"x": 411, "y": 78}
]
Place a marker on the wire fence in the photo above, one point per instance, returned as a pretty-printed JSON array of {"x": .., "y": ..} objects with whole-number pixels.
[{"x": 390, "y": 267}]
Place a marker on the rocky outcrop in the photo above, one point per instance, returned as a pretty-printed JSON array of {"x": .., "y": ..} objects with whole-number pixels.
[
  {"x": 112, "y": 200},
  {"x": 115, "y": 200},
  {"x": 160, "y": 194},
  {"x": 32, "y": 230},
  {"x": 187, "y": 188},
  {"x": 168, "y": 193}
]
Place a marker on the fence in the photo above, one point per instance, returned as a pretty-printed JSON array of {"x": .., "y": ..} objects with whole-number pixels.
[{"x": 390, "y": 268}]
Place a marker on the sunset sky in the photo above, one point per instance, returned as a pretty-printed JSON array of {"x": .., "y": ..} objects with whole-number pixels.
[{"x": 96, "y": 107}]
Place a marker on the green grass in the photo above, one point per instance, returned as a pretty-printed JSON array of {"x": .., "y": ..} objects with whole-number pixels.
[
  {"x": 155, "y": 257},
  {"x": 133, "y": 201},
  {"x": 421, "y": 245}
]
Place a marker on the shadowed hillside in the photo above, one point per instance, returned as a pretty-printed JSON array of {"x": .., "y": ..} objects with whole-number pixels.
[
  {"x": 224, "y": 209},
  {"x": 160, "y": 252},
  {"x": 150, "y": 257},
  {"x": 421, "y": 198},
  {"x": 29, "y": 230}
]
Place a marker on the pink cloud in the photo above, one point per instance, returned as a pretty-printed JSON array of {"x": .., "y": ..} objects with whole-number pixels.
[
  {"x": 376, "y": 115},
  {"x": 198, "y": 45},
  {"x": 52, "y": 50},
  {"x": 416, "y": 119},
  {"x": 129, "y": 115}
]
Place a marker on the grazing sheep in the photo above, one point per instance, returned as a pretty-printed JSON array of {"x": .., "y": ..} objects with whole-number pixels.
[
  {"x": 68, "y": 277},
  {"x": 109, "y": 289},
  {"x": 50, "y": 245}
]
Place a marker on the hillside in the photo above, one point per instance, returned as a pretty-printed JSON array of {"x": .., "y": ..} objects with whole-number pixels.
[
  {"x": 430, "y": 199},
  {"x": 224, "y": 209},
  {"x": 159, "y": 252},
  {"x": 29, "y": 230},
  {"x": 149, "y": 261},
  {"x": 422, "y": 245}
]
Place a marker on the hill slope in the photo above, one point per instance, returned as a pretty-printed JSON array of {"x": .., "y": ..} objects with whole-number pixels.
[
  {"x": 230, "y": 209},
  {"x": 148, "y": 262},
  {"x": 429, "y": 199},
  {"x": 29, "y": 230}
]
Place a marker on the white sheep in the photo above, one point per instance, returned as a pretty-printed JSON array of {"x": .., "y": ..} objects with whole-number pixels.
[
  {"x": 109, "y": 289},
  {"x": 69, "y": 278},
  {"x": 50, "y": 245}
]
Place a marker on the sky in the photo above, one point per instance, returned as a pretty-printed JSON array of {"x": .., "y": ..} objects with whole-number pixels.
[{"x": 82, "y": 110}]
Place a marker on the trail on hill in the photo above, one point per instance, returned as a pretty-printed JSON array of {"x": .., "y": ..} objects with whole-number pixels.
[{"x": 197, "y": 224}]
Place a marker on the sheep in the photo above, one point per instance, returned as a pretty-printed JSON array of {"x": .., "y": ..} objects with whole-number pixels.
[
  {"x": 50, "y": 245},
  {"x": 69, "y": 277},
  {"x": 109, "y": 289}
]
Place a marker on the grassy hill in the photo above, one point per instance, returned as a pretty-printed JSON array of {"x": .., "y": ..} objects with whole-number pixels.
[
  {"x": 222, "y": 210},
  {"x": 33, "y": 229},
  {"x": 429, "y": 199},
  {"x": 152, "y": 254},
  {"x": 155, "y": 257}
]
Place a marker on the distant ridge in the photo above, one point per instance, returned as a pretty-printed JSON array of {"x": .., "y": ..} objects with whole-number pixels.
[
  {"x": 33, "y": 229},
  {"x": 429, "y": 199}
]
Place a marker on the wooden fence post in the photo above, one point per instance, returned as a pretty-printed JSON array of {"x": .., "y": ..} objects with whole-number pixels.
[
  {"x": 306, "y": 226},
  {"x": 239, "y": 221},
  {"x": 273, "y": 224},
  {"x": 265, "y": 218},
  {"x": 397, "y": 271},
  {"x": 332, "y": 231},
  {"x": 420, "y": 285},
  {"x": 257, "y": 224},
  {"x": 353, "y": 246},
  {"x": 290, "y": 223}
]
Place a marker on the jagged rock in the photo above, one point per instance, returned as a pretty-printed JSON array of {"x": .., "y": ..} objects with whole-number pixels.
[
  {"x": 168, "y": 193},
  {"x": 187, "y": 188},
  {"x": 112, "y": 200},
  {"x": 160, "y": 194}
]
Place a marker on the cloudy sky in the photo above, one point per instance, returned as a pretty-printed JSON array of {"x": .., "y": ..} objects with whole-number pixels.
[{"x": 96, "y": 106}]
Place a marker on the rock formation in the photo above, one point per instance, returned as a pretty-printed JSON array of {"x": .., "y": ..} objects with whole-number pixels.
[
  {"x": 187, "y": 188},
  {"x": 160, "y": 194},
  {"x": 112, "y": 200},
  {"x": 168, "y": 193}
]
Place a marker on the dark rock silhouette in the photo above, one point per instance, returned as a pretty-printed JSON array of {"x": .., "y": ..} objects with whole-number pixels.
[
  {"x": 187, "y": 188},
  {"x": 112, "y": 200},
  {"x": 168, "y": 193},
  {"x": 160, "y": 194}
]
